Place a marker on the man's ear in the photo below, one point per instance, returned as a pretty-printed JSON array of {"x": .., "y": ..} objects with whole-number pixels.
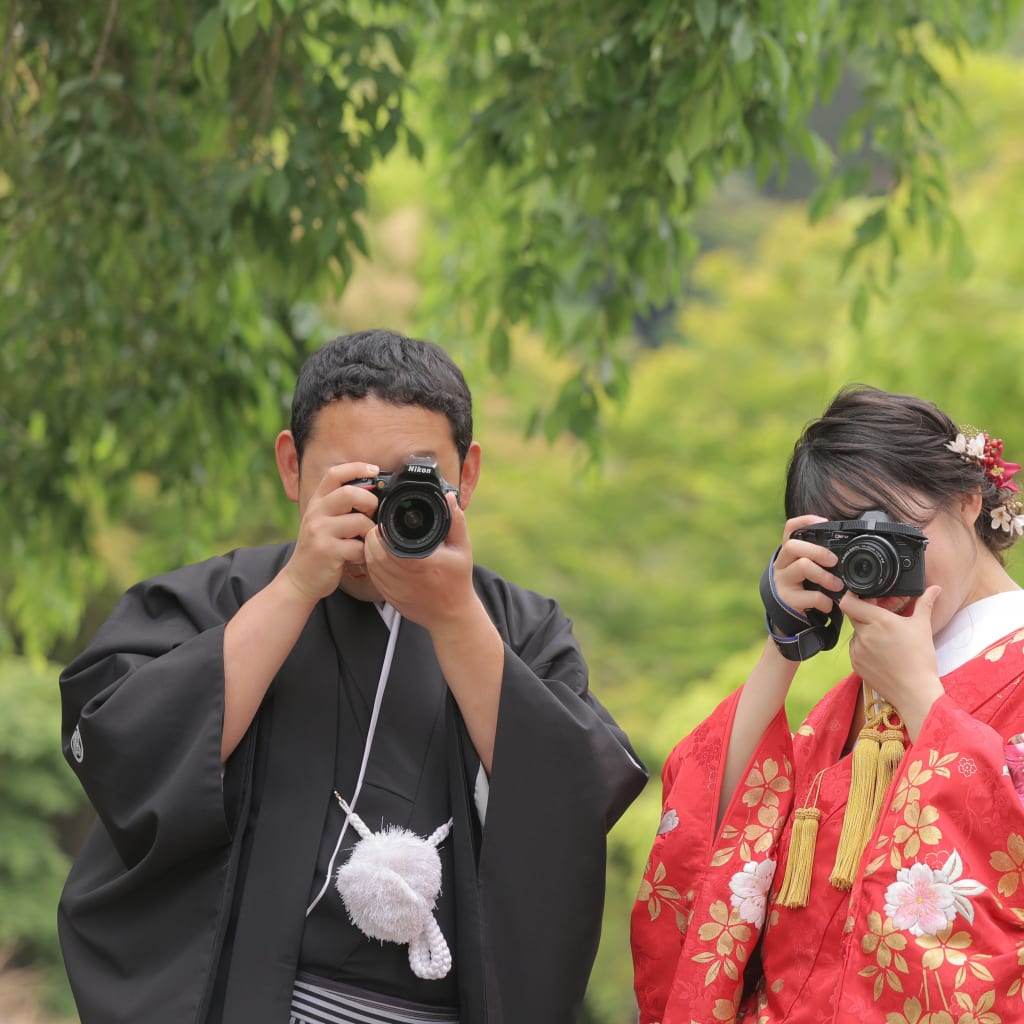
[
  {"x": 288, "y": 463},
  {"x": 470, "y": 474}
]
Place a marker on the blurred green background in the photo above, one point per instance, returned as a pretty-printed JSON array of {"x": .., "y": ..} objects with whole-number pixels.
[{"x": 636, "y": 406}]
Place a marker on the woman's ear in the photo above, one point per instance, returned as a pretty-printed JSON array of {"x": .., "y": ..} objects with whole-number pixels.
[{"x": 970, "y": 507}]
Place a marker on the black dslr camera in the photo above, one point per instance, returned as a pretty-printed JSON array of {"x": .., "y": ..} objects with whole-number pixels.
[
  {"x": 878, "y": 557},
  {"x": 413, "y": 513}
]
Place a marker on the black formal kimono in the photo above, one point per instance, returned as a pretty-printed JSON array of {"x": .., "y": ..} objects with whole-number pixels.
[{"x": 187, "y": 902}]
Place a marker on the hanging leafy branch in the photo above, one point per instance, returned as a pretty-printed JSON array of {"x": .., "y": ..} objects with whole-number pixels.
[
  {"x": 598, "y": 132},
  {"x": 183, "y": 184},
  {"x": 180, "y": 184}
]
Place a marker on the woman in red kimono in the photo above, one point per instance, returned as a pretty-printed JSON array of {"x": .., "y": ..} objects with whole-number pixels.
[{"x": 870, "y": 866}]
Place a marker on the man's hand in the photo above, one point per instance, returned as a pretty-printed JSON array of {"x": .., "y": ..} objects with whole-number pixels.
[
  {"x": 435, "y": 592},
  {"x": 335, "y": 522}
]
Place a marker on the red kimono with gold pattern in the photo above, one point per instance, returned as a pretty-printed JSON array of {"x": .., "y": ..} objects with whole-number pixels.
[{"x": 932, "y": 931}]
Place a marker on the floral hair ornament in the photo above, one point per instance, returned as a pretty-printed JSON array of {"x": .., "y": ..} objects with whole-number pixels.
[{"x": 973, "y": 445}]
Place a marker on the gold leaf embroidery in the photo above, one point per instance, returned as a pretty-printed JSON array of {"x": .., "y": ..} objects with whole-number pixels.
[
  {"x": 919, "y": 828},
  {"x": 1011, "y": 863},
  {"x": 946, "y": 947},
  {"x": 725, "y": 1009},
  {"x": 874, "y": 865},
  {"x": 980, "y": 971},
  {"x": 723, "y": 856}
]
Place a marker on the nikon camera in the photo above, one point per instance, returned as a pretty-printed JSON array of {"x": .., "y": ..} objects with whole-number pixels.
[
  {"x": 413, "y": 513},
  {"x": 878, "y": 557}
]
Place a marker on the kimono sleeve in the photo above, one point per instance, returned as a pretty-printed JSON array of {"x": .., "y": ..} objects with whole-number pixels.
[
  {"x": 563, "y": 772},
  {"x": 702, "y": 899},
  {"x": 944, "y": 883},
  {"x": 142, "y": 714}
]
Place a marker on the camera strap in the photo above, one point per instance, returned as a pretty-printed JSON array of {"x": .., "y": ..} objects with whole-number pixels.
[{"x": 806, "y": 633}]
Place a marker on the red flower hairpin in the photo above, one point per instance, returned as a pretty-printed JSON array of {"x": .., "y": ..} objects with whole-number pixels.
[{"x": 976, "y": 446}]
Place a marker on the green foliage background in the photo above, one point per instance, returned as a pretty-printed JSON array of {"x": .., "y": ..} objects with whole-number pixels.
[{"x": 655, "y": 552}]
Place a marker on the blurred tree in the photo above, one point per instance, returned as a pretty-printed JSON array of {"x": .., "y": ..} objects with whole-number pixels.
[
  {"x": 182, "y": 185},
  {"x": 580, "y": 140},
  {"x": 39, "y": 802},
  {"x": 657, "y": 557}
]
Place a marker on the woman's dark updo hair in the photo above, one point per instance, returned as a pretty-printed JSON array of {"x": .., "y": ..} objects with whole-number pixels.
[{"x": 874, "y": 449}]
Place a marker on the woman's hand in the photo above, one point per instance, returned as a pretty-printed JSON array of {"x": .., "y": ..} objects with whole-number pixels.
[
  {"x": 894, "y": 653},
  {"x": 800, "y": 561}
]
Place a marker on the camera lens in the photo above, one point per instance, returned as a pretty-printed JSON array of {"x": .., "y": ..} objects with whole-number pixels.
[
  {"x": 869, "y": 567},
  {"x": 414, "y": 520}
]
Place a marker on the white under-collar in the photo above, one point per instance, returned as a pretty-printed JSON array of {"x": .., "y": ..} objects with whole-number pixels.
[
  {"x": 387, "y": 613},
  {"x": 973, "y": 628}
]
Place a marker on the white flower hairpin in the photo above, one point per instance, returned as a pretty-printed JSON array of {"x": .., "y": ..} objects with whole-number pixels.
[{"x": 973, "y": 445}]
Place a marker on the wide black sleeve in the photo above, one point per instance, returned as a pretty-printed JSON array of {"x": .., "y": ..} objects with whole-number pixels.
[
  {"x": 143, "y": 708},
  {"x": 563, "y": 772}
]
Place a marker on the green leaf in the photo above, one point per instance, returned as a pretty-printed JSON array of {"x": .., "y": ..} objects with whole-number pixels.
[
  {"x": 243, "y": 31},
  {"x": 778, "y": 60},
  {"x": 741, "y": 40},
  {"x": 37, "y": 426},
  {"x": 859, "y": 306},
  {"x": 499, "y": 349},
  {"x": 872, "y": 226},
  {"x": 697, "y": 125},
  {"x": 677, "y": 165},
  {"x": 707, "y": 16},
  {"x": 74, "y": 153},
  {"x": 207, "y": 29},
  {"x": 824, "y": 199},
  {"x": 819, "y": 153},
  {"x": 218, "y": 60},
  {"x": 961, "y": 258},
  {"x": 855, "y": 179},
  {"x": 277, "y": 190}
]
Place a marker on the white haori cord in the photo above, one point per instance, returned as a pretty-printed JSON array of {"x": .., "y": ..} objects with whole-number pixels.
[
  {"x": 392, "y": 879},
  {"x": 393, "y": 621},
  {"x": 390, "y": 886}
]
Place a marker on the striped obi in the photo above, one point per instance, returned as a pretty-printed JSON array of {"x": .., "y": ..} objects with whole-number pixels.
[{"x": 321, "y": 1001}]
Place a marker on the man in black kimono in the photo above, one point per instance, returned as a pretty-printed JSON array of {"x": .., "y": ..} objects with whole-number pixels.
[{"x": 230, "y": 715}]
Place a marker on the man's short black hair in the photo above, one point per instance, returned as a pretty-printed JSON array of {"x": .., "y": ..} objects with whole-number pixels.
[{"x": 388, "y": 366}]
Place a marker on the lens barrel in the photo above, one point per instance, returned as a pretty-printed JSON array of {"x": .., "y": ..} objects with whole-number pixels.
[
  {"x": 414, "y": 518},
  {"x": 869, "y": 566}
]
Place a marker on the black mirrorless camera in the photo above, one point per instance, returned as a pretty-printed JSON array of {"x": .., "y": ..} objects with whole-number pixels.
[
  {"x": 878, "y": 557},
  {"x": 413, "y": 513}
]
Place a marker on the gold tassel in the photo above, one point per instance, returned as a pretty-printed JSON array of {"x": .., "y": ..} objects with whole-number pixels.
[
  {"x": 859, "y": 806},
  {"x": 876, "y": 756},
  {"x": 796, "y": 885},
  {"x": 890, "y": 754}
]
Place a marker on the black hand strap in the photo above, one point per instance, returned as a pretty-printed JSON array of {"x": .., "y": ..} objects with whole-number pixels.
[{"x": 810, "y": 632}]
